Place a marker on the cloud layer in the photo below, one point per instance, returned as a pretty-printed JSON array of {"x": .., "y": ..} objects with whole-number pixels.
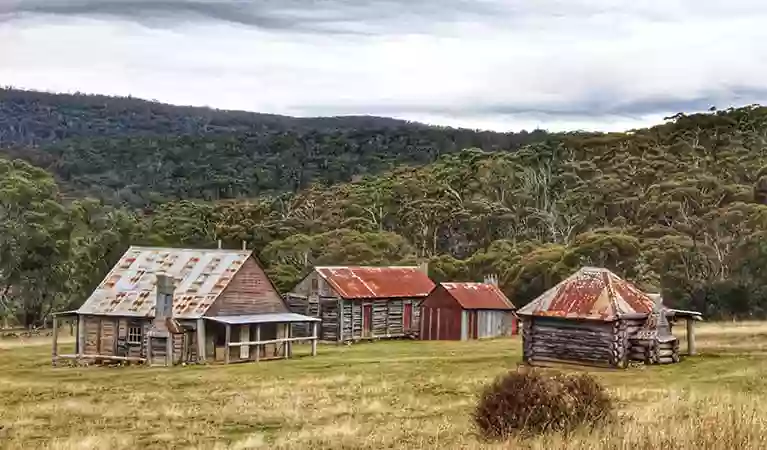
[{"x": 599, "y": 64}]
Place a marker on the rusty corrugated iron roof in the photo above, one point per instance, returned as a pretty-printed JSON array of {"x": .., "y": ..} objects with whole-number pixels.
[
  {"x": 129, "y": 289},
  {"x": 591, "y": 293},
  {"x": 377, "y": 282},
  {"x": 478, "y": 296}
]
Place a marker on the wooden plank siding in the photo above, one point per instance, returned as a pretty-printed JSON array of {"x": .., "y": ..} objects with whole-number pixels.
[
  {"x": 342, "y": 320},
  {"x": 249, "y": 292}
]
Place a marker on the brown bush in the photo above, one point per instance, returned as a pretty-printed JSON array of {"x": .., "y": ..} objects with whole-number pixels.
[{"x": 531, "y": 402}]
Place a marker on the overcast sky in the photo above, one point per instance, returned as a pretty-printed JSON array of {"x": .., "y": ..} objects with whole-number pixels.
[{"x": 497, "y": 64}]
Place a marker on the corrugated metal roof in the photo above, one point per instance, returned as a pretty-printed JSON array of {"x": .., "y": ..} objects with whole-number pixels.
[
  {"x": 263, "y": 318},
  {"x": 130, "y": 287},
  {"x": 591, "y": 293},
  {"x": 478, "y": 296},
  {"x": 377, "y": 282}
]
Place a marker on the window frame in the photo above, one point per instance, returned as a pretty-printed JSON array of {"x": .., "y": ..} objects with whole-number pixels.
[{"x": 134, "y": 332}]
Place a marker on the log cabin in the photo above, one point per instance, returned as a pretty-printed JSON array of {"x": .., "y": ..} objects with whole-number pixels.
[
  {"x": 357, "y": 303},
  {"x": 595, "y": 318},
  {"x": 166, "y": 306},
  {"x": 463, "y": 311}
]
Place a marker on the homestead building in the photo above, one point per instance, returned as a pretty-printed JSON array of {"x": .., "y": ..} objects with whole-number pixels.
[
  {"x": 595, "y": 318},
  {"x": 170, "y": 306},
  {"x": 356, "y": 303},
  {"x": 463, "y": 311}
]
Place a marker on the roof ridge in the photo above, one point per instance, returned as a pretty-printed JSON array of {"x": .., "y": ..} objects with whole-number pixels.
[
  {"x": 366, "y": 267},
  {"x": 189, "y": 249}
]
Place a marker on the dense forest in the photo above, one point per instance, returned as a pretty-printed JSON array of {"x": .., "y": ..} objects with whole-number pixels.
[
  {"x": 125, "y": 150},
  {"x": 679, "y": 208}
]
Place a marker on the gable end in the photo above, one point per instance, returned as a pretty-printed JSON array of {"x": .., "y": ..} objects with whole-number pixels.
[{"x": 249, "y": 292}]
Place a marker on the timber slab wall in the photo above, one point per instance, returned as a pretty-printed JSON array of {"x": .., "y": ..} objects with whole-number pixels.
[
  {"x": 551, "y": 340},
  {"x": 548, "y": 340},
  {"x": 351, "y": 320}
]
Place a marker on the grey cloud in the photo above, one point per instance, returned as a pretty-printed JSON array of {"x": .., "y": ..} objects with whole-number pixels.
[
  {"x": 591, "y": 107},
  {"x": 332, "y": 16}
]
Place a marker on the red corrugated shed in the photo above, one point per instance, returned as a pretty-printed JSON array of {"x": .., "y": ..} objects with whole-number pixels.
[
  {"x": 478, "y": 296},
  {"x": 377, "y": 282}
]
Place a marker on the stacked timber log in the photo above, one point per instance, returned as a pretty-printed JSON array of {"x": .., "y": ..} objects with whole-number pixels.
[
  {"x": 588, "y": 342},
  {"x": 653, "y": 351}
]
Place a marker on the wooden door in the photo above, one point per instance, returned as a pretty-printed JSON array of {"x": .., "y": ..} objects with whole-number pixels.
[
  {"x": 367, "y": 320},
  {"x": 407, "y": 317},
  {"x": 472, "y": 323}
]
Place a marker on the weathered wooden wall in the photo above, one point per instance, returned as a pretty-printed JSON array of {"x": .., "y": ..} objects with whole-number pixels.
[
  {"x": 346, "y": 324},
  {"x": 108, "y": 336},
  {"x": 558, "y": 340},
  {"x": 249, "y": 292},
  {"x": 313, "y": 285},
  {"x": 307, "y": 306}
]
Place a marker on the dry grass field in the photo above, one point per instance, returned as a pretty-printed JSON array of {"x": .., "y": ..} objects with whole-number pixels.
[{"x": 373, "y": 396}]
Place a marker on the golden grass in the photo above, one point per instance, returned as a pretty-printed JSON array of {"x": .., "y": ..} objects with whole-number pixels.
[{"x": 371, "y": 396}]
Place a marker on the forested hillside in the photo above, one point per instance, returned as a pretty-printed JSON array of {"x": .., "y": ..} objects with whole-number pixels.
[
  {"x": 678, "y": 208},
  {"x": 137, "y": 152}
]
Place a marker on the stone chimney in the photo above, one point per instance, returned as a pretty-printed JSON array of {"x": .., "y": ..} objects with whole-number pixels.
[
  {"x": 424, "y": 267},
  {"x": 491, "y": 279},
  {"x": 164, "y": 305}
]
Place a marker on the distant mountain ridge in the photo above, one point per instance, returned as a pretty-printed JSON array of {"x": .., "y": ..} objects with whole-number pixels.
[{"x": 102, "y": 145}]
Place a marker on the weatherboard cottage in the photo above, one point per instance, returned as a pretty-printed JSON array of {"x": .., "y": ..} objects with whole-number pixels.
[{"x": 169, "y": 306}]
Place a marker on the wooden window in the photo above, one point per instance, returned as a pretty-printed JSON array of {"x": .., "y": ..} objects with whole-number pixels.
[
  {"x": 134, "y": 335},
  {"x": 315, "y": 285}
]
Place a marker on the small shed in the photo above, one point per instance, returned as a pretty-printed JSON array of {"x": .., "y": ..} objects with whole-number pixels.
[
  {"x": 463, "y": 311},
  {"x": 360, "y": 302},
  {"x": 171, "y": 306},
  {"x": 596, "y": 318}
]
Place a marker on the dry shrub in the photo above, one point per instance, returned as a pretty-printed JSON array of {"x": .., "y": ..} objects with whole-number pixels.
[{"x": 531, "y": 402}]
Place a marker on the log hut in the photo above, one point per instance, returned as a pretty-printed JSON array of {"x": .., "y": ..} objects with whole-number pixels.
[
  {"x": 166, "y": 306},
  {"x": 595, "y": 318},
  {"x": 463, "y": 311},
  {"x": 357, "y": 303}
]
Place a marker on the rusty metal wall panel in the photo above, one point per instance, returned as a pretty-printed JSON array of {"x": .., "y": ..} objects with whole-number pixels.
[
  {"x": 492, "y": 324},
  {"x": 129, "y": 289},
  {"x": 442, "y": 324},
  {"x": 377, "y": 282}
]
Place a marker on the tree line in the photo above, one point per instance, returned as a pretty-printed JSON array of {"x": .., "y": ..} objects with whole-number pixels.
[{"x": 679, "y": 208}]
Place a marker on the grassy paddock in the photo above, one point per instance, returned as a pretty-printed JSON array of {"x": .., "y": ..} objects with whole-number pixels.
[{"x": 371, "y": 396}]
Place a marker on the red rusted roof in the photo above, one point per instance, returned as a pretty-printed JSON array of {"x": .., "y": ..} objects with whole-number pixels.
[
  {"x": 377, "y": 282},
  {"x": 478, "y": 296},
  {"x": 590, "y": 293}
]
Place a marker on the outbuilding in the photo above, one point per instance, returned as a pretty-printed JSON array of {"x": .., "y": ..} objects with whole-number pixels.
[
  {"x": 170, "y": 306},
  {"x": 595, "y": 318},
  {"x": 358, "y": 302},
  {"x": 463, "y": 311}
]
